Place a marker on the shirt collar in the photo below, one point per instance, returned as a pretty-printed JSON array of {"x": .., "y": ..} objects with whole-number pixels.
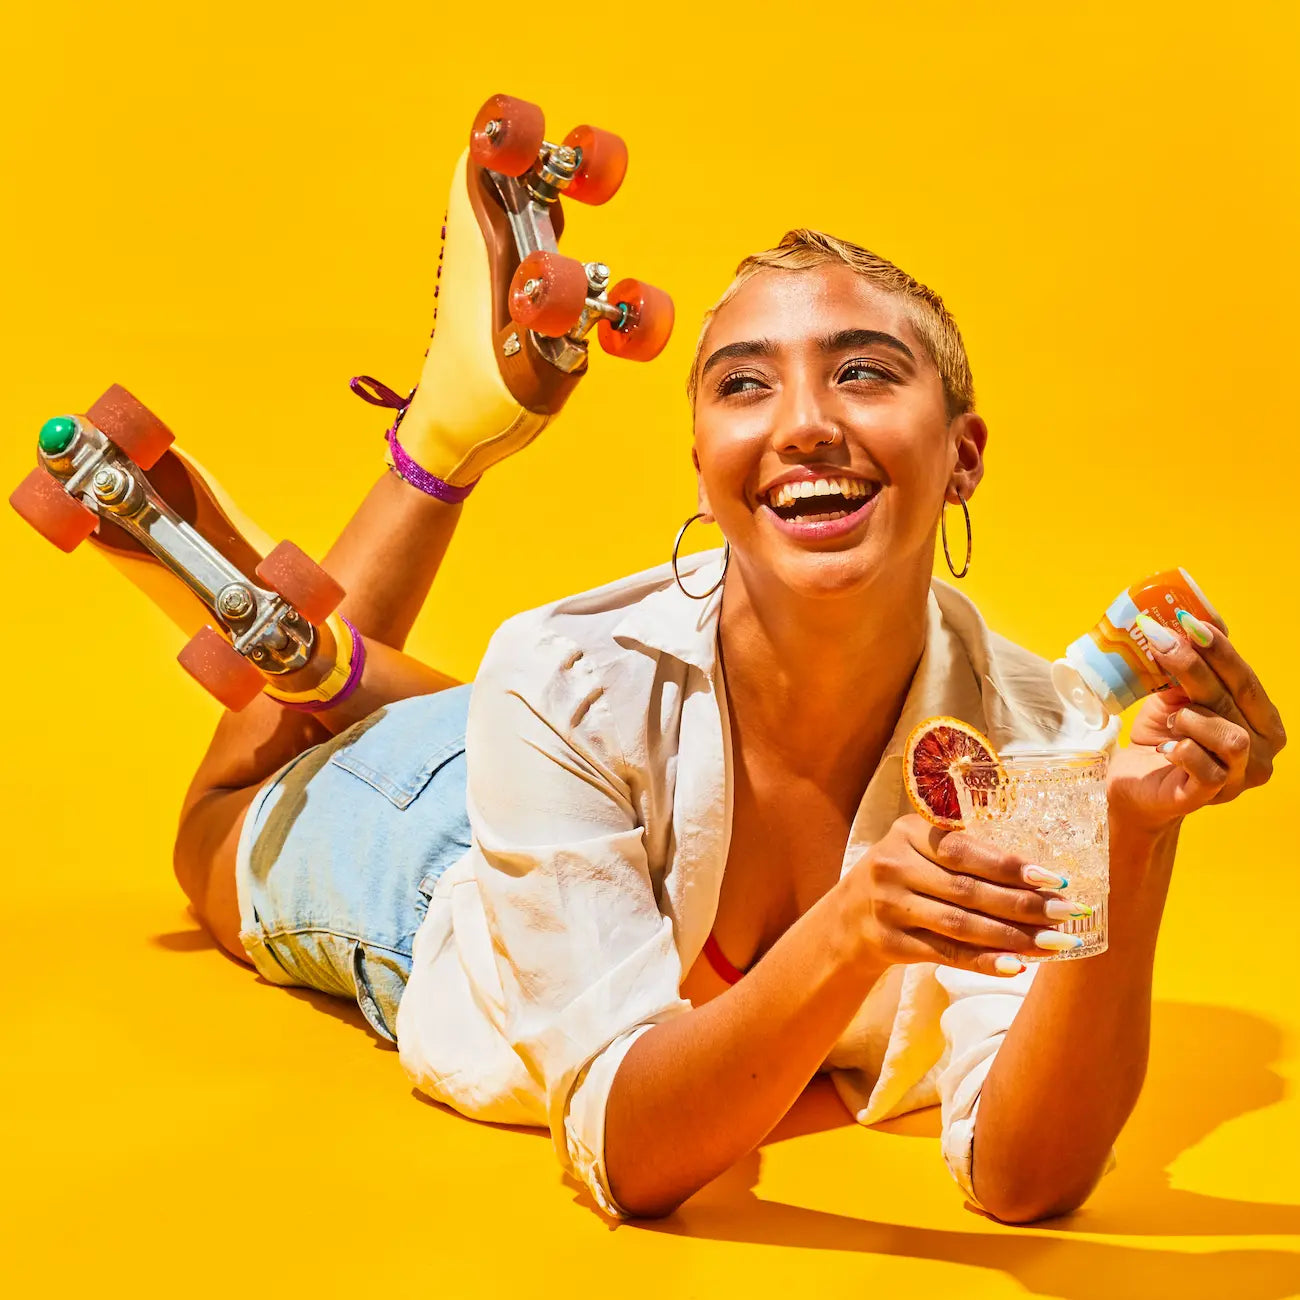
[
  {"x": 966, "y": 671},
  {"x": 667, "y": 621}
]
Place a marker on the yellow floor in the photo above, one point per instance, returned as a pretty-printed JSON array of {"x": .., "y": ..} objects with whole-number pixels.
[
  {"x": 175, "y": 1126},
  {"x": 203, "y": 205}
]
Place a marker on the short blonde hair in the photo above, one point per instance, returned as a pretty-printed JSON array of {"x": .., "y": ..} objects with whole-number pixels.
[{"x": 800, "y": 250}]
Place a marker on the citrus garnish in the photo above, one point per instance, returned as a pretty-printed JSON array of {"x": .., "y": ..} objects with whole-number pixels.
[{"x": 934, "y": 749}]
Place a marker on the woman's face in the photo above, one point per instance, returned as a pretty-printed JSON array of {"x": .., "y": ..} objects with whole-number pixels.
[{"x": 818, "y": 374}]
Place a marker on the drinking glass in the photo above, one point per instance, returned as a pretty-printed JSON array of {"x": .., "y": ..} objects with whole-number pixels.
[{"x": 1050, "y": 807}]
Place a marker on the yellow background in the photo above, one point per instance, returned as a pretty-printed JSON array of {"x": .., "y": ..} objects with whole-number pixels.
[{"x": 232, "y": 208}]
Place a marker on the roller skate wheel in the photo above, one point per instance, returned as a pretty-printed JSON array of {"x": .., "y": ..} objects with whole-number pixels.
[
  {"x": 293, "y": 574},
  {"x": 548, "y": 293},
  {"x": 131, "y": 426},
  {"x": 507, "y": 135},
  {"x": 648, "y": 326},
  {"x": 603, "y": 166},
  {"x": 59, "y": 517},
  {"x": 221, "y": 670}
]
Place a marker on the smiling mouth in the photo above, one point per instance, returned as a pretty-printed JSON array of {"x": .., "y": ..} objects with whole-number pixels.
[{"x": 821, "y": 503}]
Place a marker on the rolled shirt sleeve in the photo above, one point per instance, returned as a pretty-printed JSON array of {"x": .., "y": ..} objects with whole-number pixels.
[
  {"x": 585, "y": 958},
  {"x": 979, "y": 1013}
]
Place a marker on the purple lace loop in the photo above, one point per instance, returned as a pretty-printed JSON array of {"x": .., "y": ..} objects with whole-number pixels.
[
  {"x": 371, "y": 390},
  {"x": 378, "y": 394}
]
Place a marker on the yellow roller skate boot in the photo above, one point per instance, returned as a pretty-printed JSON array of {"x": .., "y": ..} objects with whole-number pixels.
[{"x": 511, "y": 313}]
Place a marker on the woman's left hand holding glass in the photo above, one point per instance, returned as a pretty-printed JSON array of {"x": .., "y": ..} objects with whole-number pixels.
[{"x": 1204, "y": 740}]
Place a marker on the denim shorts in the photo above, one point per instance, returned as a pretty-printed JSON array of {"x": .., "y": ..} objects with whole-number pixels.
[{"x": 341, "y": 849}]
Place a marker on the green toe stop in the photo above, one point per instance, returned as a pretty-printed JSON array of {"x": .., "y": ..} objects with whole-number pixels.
[{"x": 57, "y": 434}]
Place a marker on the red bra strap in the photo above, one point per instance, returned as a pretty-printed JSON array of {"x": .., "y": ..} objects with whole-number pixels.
[{"x": 717, "y": 959}]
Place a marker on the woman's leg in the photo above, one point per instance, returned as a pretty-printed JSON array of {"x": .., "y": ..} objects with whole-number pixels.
[
  {"x": 386, "y": 559},
  {"x": 484, "y": 394}
]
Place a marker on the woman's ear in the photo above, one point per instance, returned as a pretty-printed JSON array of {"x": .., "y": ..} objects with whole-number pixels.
[{"x": 970, "y": 435}]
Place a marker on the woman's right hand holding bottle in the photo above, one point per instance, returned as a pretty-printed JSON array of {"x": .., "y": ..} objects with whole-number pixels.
[{"x": 927, "y": 894}]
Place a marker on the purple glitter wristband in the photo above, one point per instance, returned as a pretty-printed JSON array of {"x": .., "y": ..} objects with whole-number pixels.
[
  {"x": 421, "y": 478},
  {"x": 354, "y": 678}
]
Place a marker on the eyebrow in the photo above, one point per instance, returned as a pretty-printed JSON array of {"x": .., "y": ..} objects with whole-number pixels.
[
  {"x": 843, "y": 340},
  {"x": 748, "y": 348},
  {"x": 840, "y": 341}
]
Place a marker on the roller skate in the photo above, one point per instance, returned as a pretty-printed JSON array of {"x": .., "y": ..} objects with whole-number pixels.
[
  {"x": 260, "y": 616},
  {"x": 512, "y": 315}
]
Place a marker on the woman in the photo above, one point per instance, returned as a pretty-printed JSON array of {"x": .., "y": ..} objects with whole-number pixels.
[{"x": 704, "y": 759}]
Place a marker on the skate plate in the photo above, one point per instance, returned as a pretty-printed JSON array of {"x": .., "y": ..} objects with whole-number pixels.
[{"x": 544, "y": 304}]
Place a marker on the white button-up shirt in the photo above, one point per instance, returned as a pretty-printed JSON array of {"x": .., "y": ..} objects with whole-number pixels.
[{"x": 599, "y": 795}]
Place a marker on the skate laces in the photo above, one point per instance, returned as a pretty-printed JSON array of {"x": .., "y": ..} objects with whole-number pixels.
[
  {"x": 371, "y": 390},
  {"x": 376, "y": 393}
]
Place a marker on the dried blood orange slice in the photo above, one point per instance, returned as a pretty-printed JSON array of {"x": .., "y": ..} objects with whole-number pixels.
[{"x": 933, "y": 748}]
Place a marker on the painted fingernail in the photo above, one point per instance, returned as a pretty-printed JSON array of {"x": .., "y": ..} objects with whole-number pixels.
[
  {"x": 1055, "y": 941},
  {"x": 1159, "y": 635},
  {"x": 1006, "y": 964},
  {"x": 1043, "y": 879},
  {"x": 1167, "y": 747},
  {"x": 1169, "y": 721},
  {"x": 1201, "y": 633},
  {"x": 1064, "y": 909}
]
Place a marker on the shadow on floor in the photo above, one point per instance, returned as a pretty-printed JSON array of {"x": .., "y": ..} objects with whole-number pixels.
[{"x": 1210, "y": 1065}]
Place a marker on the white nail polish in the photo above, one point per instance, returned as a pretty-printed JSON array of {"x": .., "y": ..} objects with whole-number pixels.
[
  {"x": 1006, "y": 964},
  {"x": 1062, "y": 909},
  {"x": 1160, "y": 636},
  {"x": 1055, "y": 941}
]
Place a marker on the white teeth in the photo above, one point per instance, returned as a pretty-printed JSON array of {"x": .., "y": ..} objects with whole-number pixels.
[{"x": 788, "y": 493}]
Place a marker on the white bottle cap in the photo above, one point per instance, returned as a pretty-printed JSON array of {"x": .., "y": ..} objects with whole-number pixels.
[{"x": 1077, "y": 694}]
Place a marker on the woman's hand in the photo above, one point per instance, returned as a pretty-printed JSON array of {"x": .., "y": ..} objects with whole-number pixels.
[
  {"x": 1204, "y": 740},
  {"x": 929, "y": 895}
]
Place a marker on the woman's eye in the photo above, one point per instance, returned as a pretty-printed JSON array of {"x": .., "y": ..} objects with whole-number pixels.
[
  {"x": 739, "y": 384},
  {"x": 864, "y": 370}
]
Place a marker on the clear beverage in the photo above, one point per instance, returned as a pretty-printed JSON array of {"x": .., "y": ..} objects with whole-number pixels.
[{"x": 1050, "y": 807}]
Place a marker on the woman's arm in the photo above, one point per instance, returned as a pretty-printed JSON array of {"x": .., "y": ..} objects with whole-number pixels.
[
  {"x": 696, "y": 1093},
  {"x": 1071, "y": 1067}
]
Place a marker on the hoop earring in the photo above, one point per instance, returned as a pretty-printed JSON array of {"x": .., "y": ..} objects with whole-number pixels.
[
  {"x": 726, "y": 560},
  {"x": 943, "y": 524}
]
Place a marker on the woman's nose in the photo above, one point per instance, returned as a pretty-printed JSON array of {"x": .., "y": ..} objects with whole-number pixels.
[{"x": 803, "y": 422}]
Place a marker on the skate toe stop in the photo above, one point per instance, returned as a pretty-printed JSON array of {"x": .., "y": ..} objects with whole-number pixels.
[{"x": 56, "y": 434}]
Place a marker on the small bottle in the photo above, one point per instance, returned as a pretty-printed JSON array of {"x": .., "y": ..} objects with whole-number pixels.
[{"x": 1112, "y": 667}]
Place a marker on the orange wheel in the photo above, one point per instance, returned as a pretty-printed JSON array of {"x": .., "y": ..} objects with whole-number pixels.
[
  {"x": 649, "y": 322},
  {"x": 603, "y": 166},
  {"x": 59, "y": 517},
  {"x": 512, "y": 145},
  {"x": 292, "y": 573},
  {"x": 131, "y": 426},
  {"x": 221, "y": 670},
  {"x": 548, "y": 293}
]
